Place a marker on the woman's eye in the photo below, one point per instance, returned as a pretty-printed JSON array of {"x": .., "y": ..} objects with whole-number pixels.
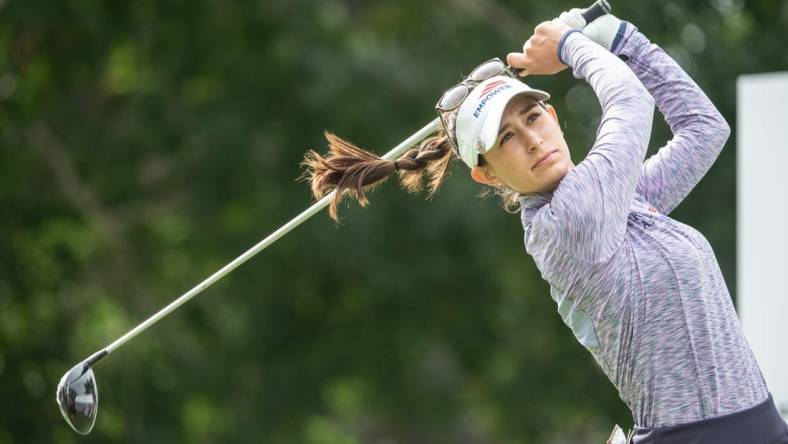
[
  {"x": 533, "y": 117},
  {"x": 505, "y": 138}
]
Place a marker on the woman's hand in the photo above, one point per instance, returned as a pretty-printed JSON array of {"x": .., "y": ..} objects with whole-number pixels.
[{"x": 540, "y": 52}]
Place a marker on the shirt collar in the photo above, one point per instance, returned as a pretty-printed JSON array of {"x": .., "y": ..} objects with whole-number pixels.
[{"x": 533, "y": 201}]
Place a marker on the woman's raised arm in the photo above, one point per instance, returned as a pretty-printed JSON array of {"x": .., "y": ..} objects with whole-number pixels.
[
  {"x": 587, "y": 215},
  {"x": 699, "y": 130}
]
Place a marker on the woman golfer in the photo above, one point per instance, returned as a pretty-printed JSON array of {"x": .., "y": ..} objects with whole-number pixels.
[{"x": 641, "y": 291}]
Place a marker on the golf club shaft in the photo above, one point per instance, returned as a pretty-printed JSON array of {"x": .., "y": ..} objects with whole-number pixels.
[{"x": 397, "y": 151}]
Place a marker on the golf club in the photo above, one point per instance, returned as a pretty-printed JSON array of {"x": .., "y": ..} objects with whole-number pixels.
[{"x": 77, "y": 391}]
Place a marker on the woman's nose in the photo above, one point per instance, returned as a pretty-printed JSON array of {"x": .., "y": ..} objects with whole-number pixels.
[
  {"x": 529, "y": 137},
  {"x": 531, "y": 141}
]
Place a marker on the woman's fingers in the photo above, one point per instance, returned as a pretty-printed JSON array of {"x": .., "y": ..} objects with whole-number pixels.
[
  {"x": 520, "y": 60},
  {"x": 516, "y": 59},
  {"x": 539, "y": 54}
]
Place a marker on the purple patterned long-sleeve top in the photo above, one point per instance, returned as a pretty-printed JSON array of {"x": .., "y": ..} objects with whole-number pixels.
[{"x": 641, "y": 291}]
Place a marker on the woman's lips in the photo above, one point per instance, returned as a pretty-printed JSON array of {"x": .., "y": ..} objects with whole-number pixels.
[{"x": 544, "y": 159}]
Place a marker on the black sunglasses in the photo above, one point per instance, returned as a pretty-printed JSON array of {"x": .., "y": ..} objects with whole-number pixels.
[{"x": 454, "y": 96}]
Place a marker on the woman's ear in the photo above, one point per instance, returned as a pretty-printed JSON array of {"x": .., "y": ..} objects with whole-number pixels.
[
  {"x": 483, "y": 176},
  {"x": 552, "y": 112}
]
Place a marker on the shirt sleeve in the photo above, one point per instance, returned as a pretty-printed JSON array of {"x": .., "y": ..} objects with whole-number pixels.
[
  {"x": 699, "y": 130},
  {"x": 587, "y": 215}
]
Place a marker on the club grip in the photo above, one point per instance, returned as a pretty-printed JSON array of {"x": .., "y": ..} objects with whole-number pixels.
[
  {"x": 591, "y": 13},
  {"x": 598, "y": 9}
]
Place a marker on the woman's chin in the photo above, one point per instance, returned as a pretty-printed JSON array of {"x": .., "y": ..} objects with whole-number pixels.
[{"x": 553, "y": 175}]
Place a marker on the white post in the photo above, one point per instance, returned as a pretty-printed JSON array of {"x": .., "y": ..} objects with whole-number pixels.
[{"x": 762, "y": 224}]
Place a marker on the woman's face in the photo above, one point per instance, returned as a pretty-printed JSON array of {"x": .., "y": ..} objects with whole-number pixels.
[{"x": 527, "y": 133}]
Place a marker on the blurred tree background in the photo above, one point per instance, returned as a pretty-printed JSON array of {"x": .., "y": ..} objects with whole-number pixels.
[{"x": 145, "y": 144}]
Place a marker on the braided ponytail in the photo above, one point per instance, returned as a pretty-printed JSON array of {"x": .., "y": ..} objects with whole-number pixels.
[{"x": 351, "y": 170}]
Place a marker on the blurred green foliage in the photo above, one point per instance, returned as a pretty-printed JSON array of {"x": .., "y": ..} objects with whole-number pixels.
[{"x": 145, "y": 144}]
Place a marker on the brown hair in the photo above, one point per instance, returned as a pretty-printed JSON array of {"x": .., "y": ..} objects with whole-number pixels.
[{"x": 351, "y": 170}]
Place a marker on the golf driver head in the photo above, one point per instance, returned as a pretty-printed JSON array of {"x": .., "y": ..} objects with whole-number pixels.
[{"x": 77, "y": 397}]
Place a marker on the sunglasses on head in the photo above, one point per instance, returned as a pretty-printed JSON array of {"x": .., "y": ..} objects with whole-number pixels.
[{"x": 454, "y": 96}]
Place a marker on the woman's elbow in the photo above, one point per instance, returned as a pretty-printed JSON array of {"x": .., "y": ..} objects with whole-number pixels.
[
  {"x": 718, "y": 130},
  {"x": 723, "y": 130},
  {"x": 712, "y": 128},
  {"x": 715, "y": 123}
]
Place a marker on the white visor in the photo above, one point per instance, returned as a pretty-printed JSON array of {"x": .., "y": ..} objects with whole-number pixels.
[{"x": 479, "y": 116}]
